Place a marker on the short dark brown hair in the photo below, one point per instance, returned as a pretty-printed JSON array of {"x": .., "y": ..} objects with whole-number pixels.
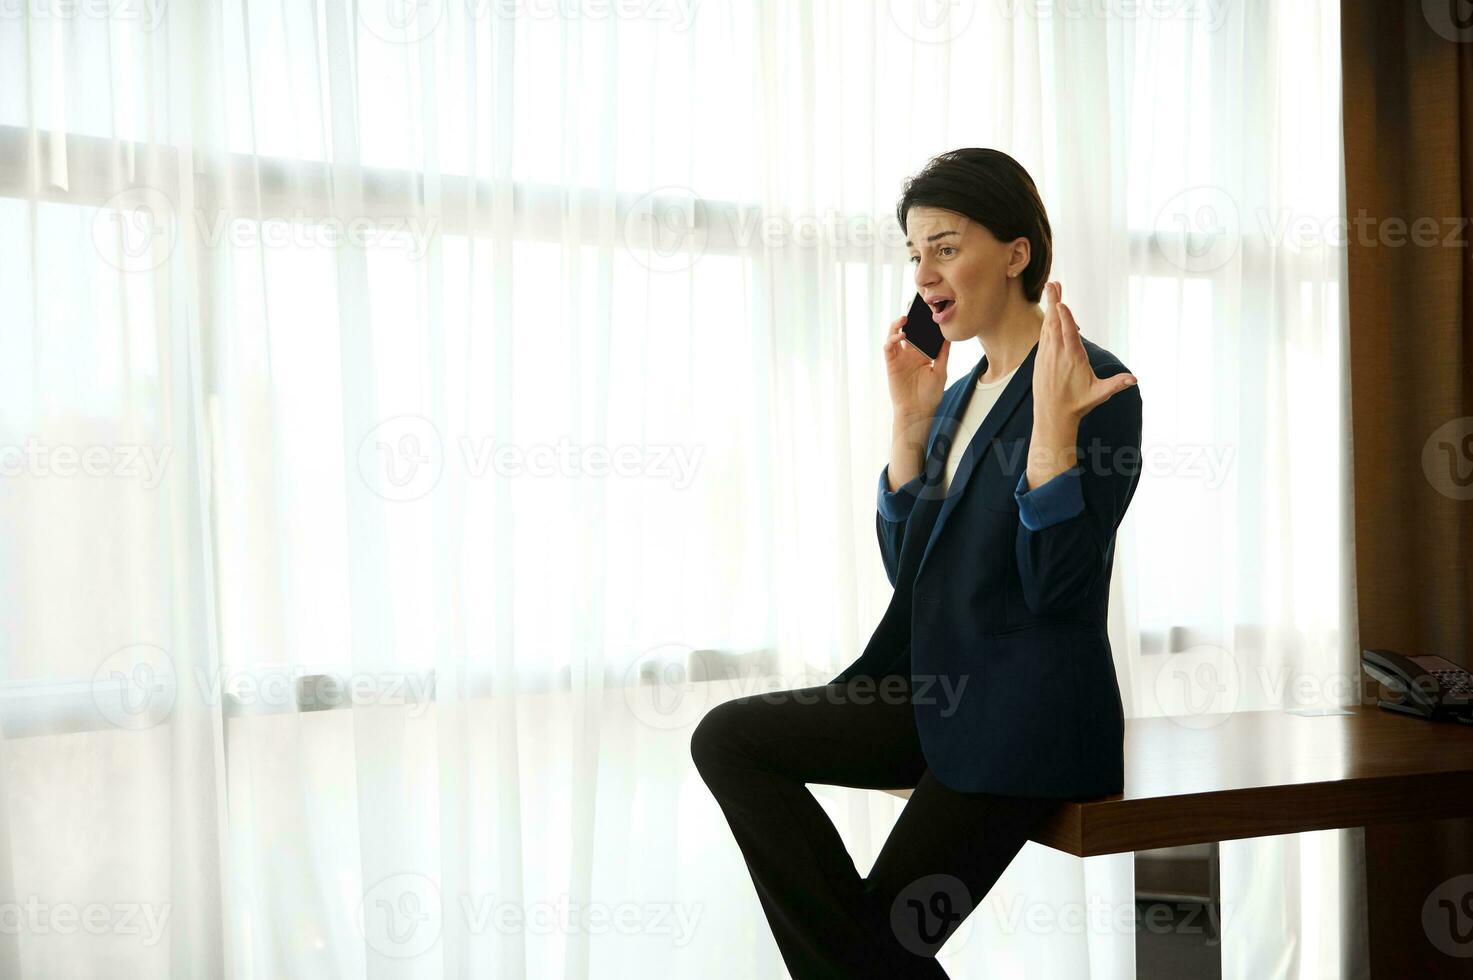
[{"x": 994, "y": 190}]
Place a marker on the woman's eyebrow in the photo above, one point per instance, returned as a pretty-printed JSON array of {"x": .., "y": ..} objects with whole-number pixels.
[{"x": 932, "y": 238}]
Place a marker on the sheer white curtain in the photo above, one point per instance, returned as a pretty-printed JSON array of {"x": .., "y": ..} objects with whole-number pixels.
[{"x": 408, "y": 409}]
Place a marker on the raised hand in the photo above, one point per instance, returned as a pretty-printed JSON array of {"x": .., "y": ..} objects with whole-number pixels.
[{"x": 1065, "y": 388}]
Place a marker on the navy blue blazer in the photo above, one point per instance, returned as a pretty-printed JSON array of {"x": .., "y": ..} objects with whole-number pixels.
[{"x": 1000, "y": 621}]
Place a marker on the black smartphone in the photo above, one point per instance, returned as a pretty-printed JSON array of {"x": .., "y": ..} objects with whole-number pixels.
[{"x": 921, "y": 330}]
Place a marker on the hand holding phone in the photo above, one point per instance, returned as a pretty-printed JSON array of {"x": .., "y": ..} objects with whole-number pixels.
[
  {"x": 921, "y": 328},
  {"x": 916, "y": 378}
]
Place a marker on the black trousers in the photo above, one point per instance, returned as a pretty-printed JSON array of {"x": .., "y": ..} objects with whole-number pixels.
[{"x": 945, "y": 852}]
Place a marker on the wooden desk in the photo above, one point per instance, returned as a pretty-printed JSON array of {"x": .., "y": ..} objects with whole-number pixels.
[{"x": 1257, "y": 773}]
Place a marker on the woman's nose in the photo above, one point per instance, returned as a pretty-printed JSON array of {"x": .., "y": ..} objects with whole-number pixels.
[{"x": 925, "y": 273}]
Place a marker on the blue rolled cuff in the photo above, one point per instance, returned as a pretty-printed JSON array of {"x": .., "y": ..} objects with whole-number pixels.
[
  {"x": 1057, "y": 499},
  {"x": 895, "y": 505}
]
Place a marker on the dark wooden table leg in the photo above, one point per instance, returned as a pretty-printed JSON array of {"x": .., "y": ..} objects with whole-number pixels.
[{"x": 1419, "y": 899}]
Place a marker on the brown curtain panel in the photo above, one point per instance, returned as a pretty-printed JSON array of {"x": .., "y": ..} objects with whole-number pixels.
[{"x": 1408, "y": 116}]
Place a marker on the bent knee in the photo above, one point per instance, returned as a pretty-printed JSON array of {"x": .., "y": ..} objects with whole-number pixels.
[{"x": 715, "y": 734}]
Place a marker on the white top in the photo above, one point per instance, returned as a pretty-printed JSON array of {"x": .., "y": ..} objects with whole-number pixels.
[{"x": 981, "y": 402}]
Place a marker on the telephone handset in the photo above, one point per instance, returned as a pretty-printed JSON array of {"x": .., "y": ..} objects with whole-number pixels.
[{"x": 1429, "y": 686}]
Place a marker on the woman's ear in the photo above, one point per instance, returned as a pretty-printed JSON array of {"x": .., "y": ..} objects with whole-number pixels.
[{"x": 1018, "y": 257}]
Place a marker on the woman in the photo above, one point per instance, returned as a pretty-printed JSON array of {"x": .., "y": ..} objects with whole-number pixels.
[{"x": 988, "y": 685}]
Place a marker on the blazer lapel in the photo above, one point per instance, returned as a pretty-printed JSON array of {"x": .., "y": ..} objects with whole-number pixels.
[{"x": 1018, "y": 387}]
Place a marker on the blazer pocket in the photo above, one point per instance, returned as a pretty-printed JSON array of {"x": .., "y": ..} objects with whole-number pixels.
[{"x": 924, "y": 612}]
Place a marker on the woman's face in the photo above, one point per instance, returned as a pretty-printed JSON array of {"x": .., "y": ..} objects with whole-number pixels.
[{"x": 961, "y": 269}]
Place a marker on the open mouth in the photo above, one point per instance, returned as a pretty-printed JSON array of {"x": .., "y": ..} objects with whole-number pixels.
[{"x": 941, "y": 310}]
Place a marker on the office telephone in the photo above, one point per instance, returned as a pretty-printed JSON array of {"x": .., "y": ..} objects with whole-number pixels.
[{"x": 1427, "y": 686}]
